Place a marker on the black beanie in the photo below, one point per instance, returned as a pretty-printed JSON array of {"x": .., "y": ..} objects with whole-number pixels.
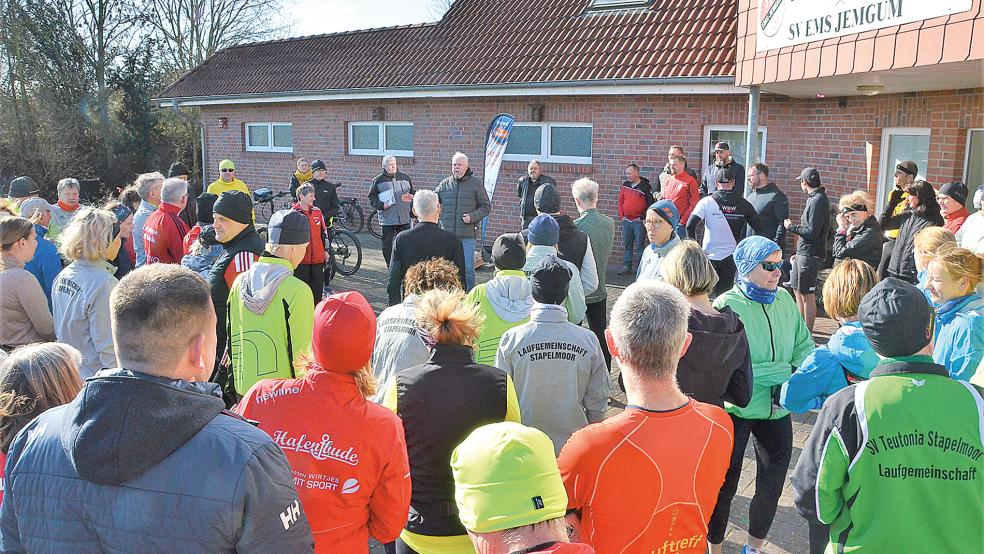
[
  {"x": 550, "y": 279},
  {"x": 235, "y": 205},
  {"x": 177, "y": 169},
  {"x": 509, "y": 251},
  {"x": 289, "y": 227},
  {"x": 204, "y": 205},
  {"x": 896, "y": 318}
]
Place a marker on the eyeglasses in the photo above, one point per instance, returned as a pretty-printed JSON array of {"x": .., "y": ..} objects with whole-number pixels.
[
  {"x": 227, "y": 170},
  {"x": 771, "y": 266}
]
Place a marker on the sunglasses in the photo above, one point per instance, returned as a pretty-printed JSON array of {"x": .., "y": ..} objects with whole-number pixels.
[
  {"x": 227, "y": 170},
  {"x": 771, "y": 266}
]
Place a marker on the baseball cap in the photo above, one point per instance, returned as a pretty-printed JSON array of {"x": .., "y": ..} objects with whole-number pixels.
[
  {"x": 509, "y": 251},
  {"x": 289, "y": 227},
  {"x": 908, "y": 167},
  {"x": 896, "y": 318},
  {"x": 550, "y": 279},
  {"x": 23, "y": 186},
  {"x": 811, "y": 176},
  {"x": 236, "y": 205},
  {"x": 544, "y": 230},
  {"x": 667, "y": 210},
  {"x": 722, "y": 146},
  {"x": 506, "y": 476},
  {"x": 344, "y": 332},
  {"x": 33, "y": 205},
  {"x": 546, "y": 199},
  {"x": 226, "y": 164},
  {"x": 955, "y": 190}
]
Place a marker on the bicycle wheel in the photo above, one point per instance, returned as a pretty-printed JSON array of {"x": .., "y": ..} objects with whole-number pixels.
[
  {"x": 346, "y": 252},
  {"x": 264, "y": 211},
  {"x": 350, "y": 216},
  {"x": 374, "y": 228}
]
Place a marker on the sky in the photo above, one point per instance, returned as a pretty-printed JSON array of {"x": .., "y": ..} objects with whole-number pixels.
[{"x": 315, "y": 17}]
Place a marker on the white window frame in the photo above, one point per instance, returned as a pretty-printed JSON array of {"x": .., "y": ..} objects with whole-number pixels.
[
  {"x": 545, "y": 155},
  {"x": 271, "y": 147},
  {"x": 710, "y": 147},
  {"x": 381, "y": 151},
  {"x": 885, "y": 167},
  {"x": 966, "y": 171},
  {"x": 617, "y": 4}
]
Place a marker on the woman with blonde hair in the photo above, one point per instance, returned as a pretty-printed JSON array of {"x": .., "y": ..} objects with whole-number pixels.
[
  {"x": 441, "y": 402},
  {"x": 80, "y": 294},
  {"x": 33, "y": 379},
  {"x": 859, "y": 236},
  {"x": 927, "y": 245},
  {"x": 350, "y": 436},
  {"x": 717, "y": 367},
  {"x": 958, "y": 335},
  {"x": 24, "y": 313}
]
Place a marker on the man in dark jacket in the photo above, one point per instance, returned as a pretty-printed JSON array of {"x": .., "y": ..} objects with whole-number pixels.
[
  {"x": 390, "y": 195},
  {"x": 424, "y": 241},
  {"x": 574, "y": 245},
  {"x": 464, "y": 203},
  {"x": 190, "y": 212},
  {"x": 722, "y": 158},
  {"x": 527, "y": 187},
  {"x": 325, "y": 193},
  {"x": 241, "y": 246},
  {"x": 858, "y": 235},
  {"x": 812, "y": 246},
  {"x": 769, "y": 202},
  {"x": 895, "y": 214},
  {"x": 146, "y": 459}
]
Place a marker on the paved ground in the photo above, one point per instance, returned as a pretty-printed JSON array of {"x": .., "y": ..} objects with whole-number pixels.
[{"x": 789, "y": 531}]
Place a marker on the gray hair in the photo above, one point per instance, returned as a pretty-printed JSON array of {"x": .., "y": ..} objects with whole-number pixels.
[
  {"x": 173, "y": 190},
  {"x": 459, "y": 156},
  {"x": 649, "y": 327},
  {"x": 534, "y": 161},
  {"x": 387, "y": 159},
  {"x": 425, "y": 203},
  {"x": 585, "y": 191},
  {"x": 147, "y": 182},
  {"x": 305, "y": 189},
  {"x": 68, "y": 183}
]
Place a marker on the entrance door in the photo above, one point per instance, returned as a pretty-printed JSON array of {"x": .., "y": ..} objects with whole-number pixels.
[{"x": 899, "y": 144}]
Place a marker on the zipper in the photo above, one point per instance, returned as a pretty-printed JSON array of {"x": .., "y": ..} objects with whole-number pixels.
[{"x": 772, "y": 340}]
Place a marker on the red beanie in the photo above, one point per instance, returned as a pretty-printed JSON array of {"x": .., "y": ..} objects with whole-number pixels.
[{"x": 344, "y": 332}]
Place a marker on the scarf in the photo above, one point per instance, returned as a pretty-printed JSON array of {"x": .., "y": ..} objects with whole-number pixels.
[
  {"x": 756, "y": 293},
  {"x": 303, "y": 177},
  {"x": 68, "y": 208},
  {"x": 665, "y": 249},
  {"x": 949, "y": 309}
]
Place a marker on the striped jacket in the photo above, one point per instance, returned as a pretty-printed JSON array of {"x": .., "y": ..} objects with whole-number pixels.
[{"x": 239, "y": 253}]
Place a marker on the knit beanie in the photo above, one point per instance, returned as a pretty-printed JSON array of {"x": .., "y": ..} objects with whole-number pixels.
[
  {"x": 544, "y": 230},
  {"x": 177, "y": 169},
  {"x": 344, "y": 332},
  {"x": 204, "y": 204},
  {"x": 550, "y": 279},
  {"x": 23, "y": 186},
  {"x": 896, "y": 318},
  {"x": 955, "y": 190},
  {"x": 509, "y": 251},
  {"x": 506, "y": 476},
  {"x": 668, "y": 211},
  {"x": 33, "y": 205},
  {"x": 317, "y": 164},
  {"x": 546, "y": 199},
  {"x": 751, "y": 252},
  {"x": 289, "y": 227},
  {"x": 235, "y": 205}
]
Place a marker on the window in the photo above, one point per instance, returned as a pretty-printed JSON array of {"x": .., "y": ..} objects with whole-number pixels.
[
  {"x": 605, "y": 4},
  {"x": 897, "y": 145},
  {"x": 736, "y": 136},
  {"x": 269, "y": 137},
  {"x": 974, "y": 168},
  {"x": 377, "y": 138},
  {"x": 550, "y": 142}
]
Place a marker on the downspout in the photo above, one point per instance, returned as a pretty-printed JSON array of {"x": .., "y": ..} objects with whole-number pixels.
[
  {"x": 201, "y": 137},
  {"x": 751, "y": 136}
]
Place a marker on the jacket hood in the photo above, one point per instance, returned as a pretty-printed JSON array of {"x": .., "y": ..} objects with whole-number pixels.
[
  {"x": 721, "y": 338},
  {"x": 511, "y": 295},
  {"x": 124, "y": 423},
  {"x": 261, "y": 280},
  {"x": 852, "y": 349}
]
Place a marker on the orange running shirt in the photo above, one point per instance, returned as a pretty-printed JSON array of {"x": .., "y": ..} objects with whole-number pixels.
[{"x": 647, "y": 482}]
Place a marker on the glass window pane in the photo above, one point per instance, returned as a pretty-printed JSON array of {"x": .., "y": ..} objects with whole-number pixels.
[
  {"x": 365, "y": 137},
  {"x": 736, "y": 140},
  {"x": 525, "y": 140},
  {"x": 399, "y": 137},
  {"x": 975, "y": 165},
  {"x": 901, "y": 148},
  {"x": 257, "y": 135},
  {"x": 570, "y": 141},
  {"x": 283, "y": 136}
]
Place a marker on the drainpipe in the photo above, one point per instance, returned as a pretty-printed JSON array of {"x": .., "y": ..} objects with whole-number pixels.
[
  {"x": 201, "y": 137},
  {"x": 751, "y": 140}
]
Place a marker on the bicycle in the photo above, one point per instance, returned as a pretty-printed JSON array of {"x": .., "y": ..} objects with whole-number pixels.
[
  {"x": 375, "y": 229},
  {"x": 350, "y": 215},
  {"x": 345, "y": 253},
  {"x": 263, "y": 203}
]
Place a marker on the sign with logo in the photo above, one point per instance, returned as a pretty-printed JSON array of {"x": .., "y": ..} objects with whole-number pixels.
[{"x": 788, "y": 22}]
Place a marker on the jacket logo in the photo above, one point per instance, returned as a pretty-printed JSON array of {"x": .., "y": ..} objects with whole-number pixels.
[
  {"x": 324, "y": 450},
  {"x": 918, "y": 382},
  {"x": 537, "y": 503},
  {"x": 290, "y": 516},
  {"x": 351, "y": 486}
]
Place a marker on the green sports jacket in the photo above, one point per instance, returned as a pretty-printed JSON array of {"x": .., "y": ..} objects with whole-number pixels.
[{"x": 896, "y": 463}]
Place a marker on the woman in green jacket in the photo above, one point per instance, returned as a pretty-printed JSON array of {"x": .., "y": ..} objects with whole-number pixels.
[{"x": 779, "y": 341}]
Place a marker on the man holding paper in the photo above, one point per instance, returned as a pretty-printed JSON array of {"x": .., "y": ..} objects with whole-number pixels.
[{"x": 391, "y": 195}]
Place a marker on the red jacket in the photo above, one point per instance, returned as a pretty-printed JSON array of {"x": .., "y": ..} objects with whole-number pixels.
[
  {"x": 191, "y": 237},
  {"x": 683, "y": 191},
  {"x": 163, "y": 235},
  {"x": 315, "y": 253},
  {"x": 634, "y": 199},
  {"x": 348, "y": 456}
]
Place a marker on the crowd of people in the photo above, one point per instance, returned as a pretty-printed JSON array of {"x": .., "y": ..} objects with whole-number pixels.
[{"x": 174, "y": 376}]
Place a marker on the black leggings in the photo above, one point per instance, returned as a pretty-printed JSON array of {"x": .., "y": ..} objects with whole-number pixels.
[
  {"x": 403, "y": 548},
  {"x": 726, "y": 271},
  {"x": 314, "y": 276},
  {"x": 886, "y": 257},
  {"x": 597, "y": 322},
  {"x": 389, "y": 233},
  {"x": 773, "y": 449}
]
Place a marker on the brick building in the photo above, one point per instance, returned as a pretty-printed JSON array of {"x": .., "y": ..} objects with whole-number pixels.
[{"x": 596, "y": 85}]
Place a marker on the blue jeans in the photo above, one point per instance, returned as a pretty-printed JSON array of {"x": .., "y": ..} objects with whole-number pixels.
[
  {"x": 633, "y": 242},
  {"x": 469, "y": 247}
]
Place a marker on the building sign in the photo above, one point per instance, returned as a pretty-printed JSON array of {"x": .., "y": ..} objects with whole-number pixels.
[{"x": 788, "y": 22}]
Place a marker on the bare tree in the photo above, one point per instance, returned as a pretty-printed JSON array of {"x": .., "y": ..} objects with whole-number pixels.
[
  {"x": 193, "y": 30},
  {"x": 439, "y": 7}
]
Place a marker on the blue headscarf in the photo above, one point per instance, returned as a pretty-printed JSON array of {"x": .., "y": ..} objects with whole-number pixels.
[{"x": 751, "y": 252}]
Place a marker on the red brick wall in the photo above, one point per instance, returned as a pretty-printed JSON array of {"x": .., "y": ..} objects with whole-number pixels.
[{"x": 835, "y": 139}]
